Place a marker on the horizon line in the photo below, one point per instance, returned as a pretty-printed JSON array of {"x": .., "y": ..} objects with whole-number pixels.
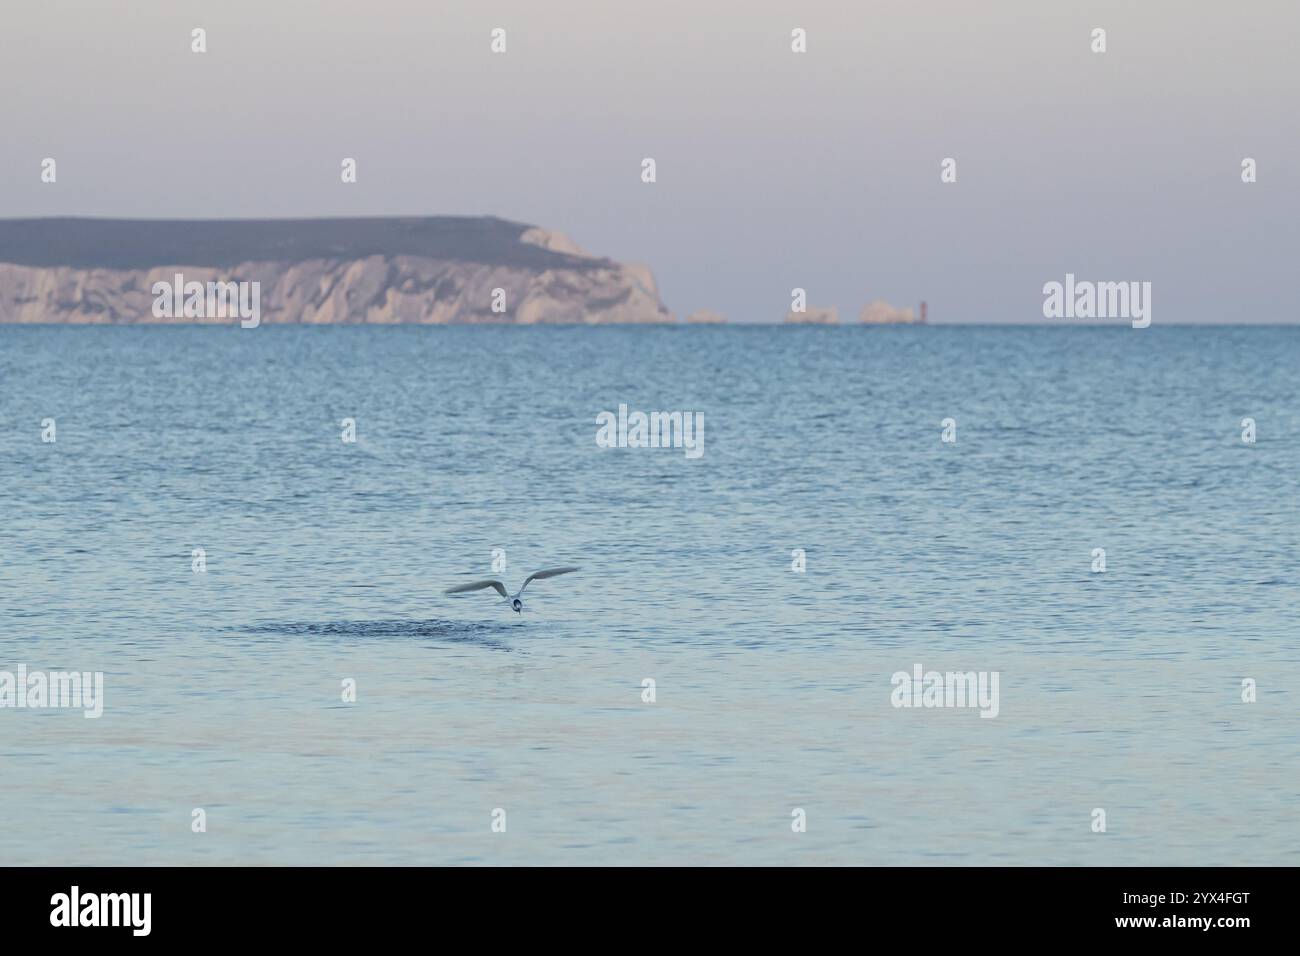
[{"x": 1119, "y": 326}]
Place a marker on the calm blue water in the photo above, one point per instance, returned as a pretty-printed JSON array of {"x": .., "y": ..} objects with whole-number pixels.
[{"x": 327, "y": 561}]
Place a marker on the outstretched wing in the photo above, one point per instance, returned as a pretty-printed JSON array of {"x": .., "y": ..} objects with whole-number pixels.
[
  {"x": 479, "y": 585},
  {"x": 548, "y": 573}
]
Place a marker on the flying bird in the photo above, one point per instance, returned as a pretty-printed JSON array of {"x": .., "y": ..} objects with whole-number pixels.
[{"x": 516, "y": 602}]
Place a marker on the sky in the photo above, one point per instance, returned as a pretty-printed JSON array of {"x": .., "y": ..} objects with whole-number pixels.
[{"x": 775, "y": 169}]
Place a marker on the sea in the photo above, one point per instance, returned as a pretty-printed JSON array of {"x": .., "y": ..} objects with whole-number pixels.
[{"x": 1081, "y": 517}]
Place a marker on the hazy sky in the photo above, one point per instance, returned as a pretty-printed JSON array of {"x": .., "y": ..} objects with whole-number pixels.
[{"x": 775, "y": 169}]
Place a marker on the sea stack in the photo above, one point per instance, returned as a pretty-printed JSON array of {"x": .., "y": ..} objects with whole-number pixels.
[
  {"x": 814, "y": 316},
  {"x": 880, "y": 312}
]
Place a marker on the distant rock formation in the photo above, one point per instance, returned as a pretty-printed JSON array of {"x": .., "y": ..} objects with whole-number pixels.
[
  {"x": 429, "y": 270},
  {"x": 814, "y": 316},
  {"x": 706, "y": 317},
  {"x": 880, "y": 312}
]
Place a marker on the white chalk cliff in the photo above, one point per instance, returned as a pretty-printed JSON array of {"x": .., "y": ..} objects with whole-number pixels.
[{"x": 397, "y": 270}]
